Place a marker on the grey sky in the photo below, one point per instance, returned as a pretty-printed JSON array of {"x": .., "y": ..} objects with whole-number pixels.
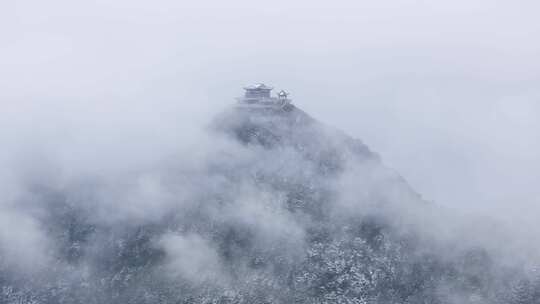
[{"x": 446, "y": 91}]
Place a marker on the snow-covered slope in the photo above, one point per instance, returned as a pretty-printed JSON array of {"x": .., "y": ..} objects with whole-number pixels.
[{"x": 274, "y": 207}]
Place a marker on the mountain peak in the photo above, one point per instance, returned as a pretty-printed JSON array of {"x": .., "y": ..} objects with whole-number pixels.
[
  {"x": 282, "y": 209},
  {"x": 258, "y": 118}
]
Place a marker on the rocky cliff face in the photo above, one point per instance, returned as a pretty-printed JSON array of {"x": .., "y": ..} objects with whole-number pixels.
[{"x": 277, "y": 208}]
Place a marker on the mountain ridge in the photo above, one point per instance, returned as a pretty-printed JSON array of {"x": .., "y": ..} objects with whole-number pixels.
[{"x": 281, "y": 209}]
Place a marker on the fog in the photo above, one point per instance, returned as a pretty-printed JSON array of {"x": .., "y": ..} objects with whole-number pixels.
[{"x": 446, "y": 92}]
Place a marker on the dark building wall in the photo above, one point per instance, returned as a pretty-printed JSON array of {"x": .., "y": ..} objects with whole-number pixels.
[{"x": 257, "y": 93}]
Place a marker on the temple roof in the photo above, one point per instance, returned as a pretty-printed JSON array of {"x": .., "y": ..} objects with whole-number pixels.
[{"x": 258, "y": 86}]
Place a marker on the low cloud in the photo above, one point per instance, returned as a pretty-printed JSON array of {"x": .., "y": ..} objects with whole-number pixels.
[
  {"x": 192, "y": 258},
  {"x": 24, "y": 245}
]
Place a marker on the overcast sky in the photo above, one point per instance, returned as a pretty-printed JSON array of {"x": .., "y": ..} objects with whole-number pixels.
[{"x": 448, "y": 92}]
